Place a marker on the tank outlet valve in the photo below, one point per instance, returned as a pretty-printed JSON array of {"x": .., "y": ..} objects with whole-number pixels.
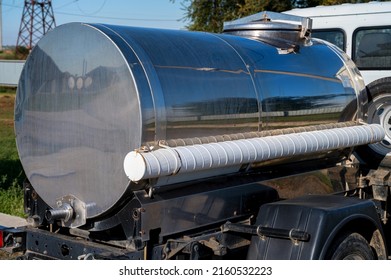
[
  {"x": 64, "y": 213},
  {"x": 71, "y": 212}
]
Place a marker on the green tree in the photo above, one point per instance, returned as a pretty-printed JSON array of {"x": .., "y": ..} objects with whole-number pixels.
[
  {"x": 209, "y": 15},
  {"x": 313, "y": 3},
  {"x": 255, "y": 6}
]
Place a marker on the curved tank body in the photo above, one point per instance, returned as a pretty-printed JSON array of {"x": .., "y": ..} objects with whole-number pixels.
[{"x": 90, "y": 93}]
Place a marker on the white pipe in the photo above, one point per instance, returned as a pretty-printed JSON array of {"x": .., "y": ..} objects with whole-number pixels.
[{"x": 186, "y": 159}]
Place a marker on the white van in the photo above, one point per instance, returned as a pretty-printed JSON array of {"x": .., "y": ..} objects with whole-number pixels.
[{"x": 363, "y": 31}]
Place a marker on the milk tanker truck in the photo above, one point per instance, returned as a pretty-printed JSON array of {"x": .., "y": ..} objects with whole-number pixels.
[{"x": 257, "y": 143}]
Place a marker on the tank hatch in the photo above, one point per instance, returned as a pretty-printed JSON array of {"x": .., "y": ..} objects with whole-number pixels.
[{"x": 286, "y": 32}]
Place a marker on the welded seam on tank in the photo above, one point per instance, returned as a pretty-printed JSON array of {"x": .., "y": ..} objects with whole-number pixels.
[
  {"x": 96, "y": 27},
  {"x": 335, "y": 80},
  {"x": 205, "y": 69},
  {"x": 154, "y": 85},
  {"x": 246, "y": 66},
  {"x": 353, "y": 78}
]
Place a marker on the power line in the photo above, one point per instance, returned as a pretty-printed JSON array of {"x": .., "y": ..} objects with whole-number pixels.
[
  {"x": 66, "y": 4},
  {"x": 1, "y": 27},
  {"x": 114, "y": 18},
  {"x": 86, "y": 15},
  {"x": 92, "y": 13},
  {"x": 12, "y": 6}
]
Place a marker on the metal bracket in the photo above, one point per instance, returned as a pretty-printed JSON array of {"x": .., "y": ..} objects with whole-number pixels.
[
  {"x": 380, "y": 182},
  {"x": 294, "y": 235},
  {"x": 71, "y": 211},
  {"x": 217, "y": 248}
]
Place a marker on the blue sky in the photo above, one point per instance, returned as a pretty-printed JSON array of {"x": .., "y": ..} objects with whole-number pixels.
[{"x": 146, "y": 13}]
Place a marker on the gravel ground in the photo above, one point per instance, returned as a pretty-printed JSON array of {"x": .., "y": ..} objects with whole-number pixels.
[
  {"x": 10, "y": 221},
  {"x": 6, "y": 256}
]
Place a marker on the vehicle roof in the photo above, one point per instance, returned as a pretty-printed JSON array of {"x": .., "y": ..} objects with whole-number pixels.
[
  {"x": 343, "y": 9},
  {"x": 350, "y": 18}
]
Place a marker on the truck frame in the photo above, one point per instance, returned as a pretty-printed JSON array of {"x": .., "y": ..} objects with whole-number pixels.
[{"x": 305, "y": 209}]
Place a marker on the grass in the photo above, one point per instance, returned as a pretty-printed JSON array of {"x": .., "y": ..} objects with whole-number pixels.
[
  {"x": 11, "y": 200},
  {"x": 10, "y": 53},
  {"x": 11, "y": 172}
]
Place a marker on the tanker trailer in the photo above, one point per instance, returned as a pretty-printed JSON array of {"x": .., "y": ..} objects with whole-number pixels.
[{"x": 161, "y": 144}]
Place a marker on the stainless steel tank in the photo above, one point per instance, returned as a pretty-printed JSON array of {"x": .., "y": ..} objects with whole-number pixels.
[{"x": 90, "y": 93}]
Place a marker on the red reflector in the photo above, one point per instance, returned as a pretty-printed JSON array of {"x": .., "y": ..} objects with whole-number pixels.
[{"x": 1, "y": 239}]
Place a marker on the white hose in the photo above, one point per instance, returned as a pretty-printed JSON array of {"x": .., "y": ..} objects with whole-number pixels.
[{"x": 186, "y": 159}]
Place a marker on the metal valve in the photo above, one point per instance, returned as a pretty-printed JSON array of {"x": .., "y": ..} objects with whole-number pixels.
[{"x": 70, "y": 211}]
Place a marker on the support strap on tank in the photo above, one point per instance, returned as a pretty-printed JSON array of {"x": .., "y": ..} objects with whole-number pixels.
[{"x": 168, "y": 161}]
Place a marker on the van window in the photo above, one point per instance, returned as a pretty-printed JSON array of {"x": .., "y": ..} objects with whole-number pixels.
[
  {"x": 372, "y": 48},
  {"x": 334, "y": 36}
]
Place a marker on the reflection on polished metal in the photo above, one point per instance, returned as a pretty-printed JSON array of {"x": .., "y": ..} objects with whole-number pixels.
[
  {"x": 196, "y": 158},
  {"x": 253, "y": 134},
  {"x": 287, "y": 31},
  {"x": 90, "y": 93}
]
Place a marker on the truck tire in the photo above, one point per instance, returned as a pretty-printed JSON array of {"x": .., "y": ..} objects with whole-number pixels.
[
  {"x": 379, "y": 111},
  {"x": 350, "y": 246}
]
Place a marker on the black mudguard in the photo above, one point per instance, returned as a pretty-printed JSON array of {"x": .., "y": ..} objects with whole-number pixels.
[{"x": 321, "y": 216}]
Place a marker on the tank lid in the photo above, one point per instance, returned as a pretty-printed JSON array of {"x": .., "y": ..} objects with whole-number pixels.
[{"x": 278, "y": 29}]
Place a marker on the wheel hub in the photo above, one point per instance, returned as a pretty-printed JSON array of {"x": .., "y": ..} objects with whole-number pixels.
[{"x": 379, "y": 111}]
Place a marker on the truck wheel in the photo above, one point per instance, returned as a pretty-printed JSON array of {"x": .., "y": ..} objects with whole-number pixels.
[
  {"x": 379, "y": 111},
  {"x": 350, "y": 246}
]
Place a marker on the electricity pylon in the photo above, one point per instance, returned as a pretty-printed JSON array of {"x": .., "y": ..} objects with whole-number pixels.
[{"x": 37, "y": 20}]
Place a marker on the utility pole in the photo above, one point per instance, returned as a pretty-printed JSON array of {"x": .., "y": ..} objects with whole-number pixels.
[
  {"x": 37, "y": 20},
  {"x": 1, "y": 26}
]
